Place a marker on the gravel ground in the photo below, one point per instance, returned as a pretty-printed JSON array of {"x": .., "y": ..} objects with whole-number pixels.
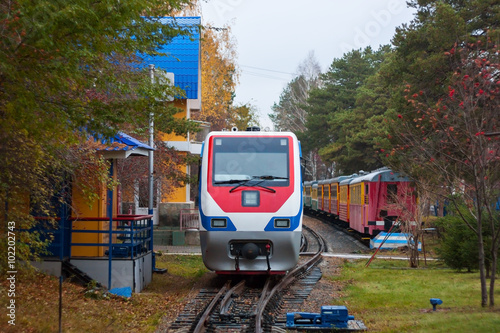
[
  {"x": 337, "y": 241},
  {"x": 327, "y": 290}
]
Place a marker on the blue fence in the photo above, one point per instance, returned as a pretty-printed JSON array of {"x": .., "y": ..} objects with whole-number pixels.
[{"x": 126, "y": 236}]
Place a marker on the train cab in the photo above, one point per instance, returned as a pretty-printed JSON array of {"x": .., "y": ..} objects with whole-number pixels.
[{"x": 250, "y": 202}]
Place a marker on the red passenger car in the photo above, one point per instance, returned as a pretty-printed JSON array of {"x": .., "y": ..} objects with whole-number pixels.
[{"x": 377, "y": 199}]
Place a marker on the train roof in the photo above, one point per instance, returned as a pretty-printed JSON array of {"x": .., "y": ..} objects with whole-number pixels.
[
  {"x": 348, "y": 179},
  {"x": 385, "y": 175},
  {"x": 251, "y": 133},
  {"x": 339, "y": 179}
]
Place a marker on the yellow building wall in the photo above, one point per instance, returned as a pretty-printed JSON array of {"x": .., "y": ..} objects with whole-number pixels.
[
  {"x": 97, "y": 208},
  {"x": 181, "y": 104},
  {"x": 179, "y": 193}
]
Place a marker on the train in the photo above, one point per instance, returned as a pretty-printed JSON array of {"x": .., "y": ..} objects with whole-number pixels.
[
  {"x": 250, "y": 202},
  {"x": 367, "y": 202}
]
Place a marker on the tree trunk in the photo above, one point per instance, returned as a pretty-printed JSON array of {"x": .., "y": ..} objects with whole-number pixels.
[
  {"x": 492, "y": 280},
  {"x": 482, "y": 271},
  {"x": 494, "y": 263},
  {"x": 413, "y": 246}
]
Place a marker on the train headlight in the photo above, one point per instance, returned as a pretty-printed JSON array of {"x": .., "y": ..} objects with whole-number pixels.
[
  {"x": 282, "y": 223},
  {"x": 219, "y": 223},
  {"x": 250, "y": 199}
]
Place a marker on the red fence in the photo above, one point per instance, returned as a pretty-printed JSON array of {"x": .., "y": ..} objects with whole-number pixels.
[{"x": 190, "y": 219}]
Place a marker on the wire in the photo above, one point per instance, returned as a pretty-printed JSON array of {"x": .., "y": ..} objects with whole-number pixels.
[
  {"x": 268, "y": 70},
  {"x": 266, "y": 76}
]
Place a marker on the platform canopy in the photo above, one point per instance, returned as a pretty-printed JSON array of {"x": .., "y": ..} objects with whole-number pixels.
[{"x": 121, "y": 146}]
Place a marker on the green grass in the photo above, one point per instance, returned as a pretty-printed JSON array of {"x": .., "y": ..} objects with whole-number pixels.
[
  {"x": 389, "y": 297},
  {"x": 189, "y": 266}
]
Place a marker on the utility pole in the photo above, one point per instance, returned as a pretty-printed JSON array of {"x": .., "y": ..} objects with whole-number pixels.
[{"x": 151, "y": 144}]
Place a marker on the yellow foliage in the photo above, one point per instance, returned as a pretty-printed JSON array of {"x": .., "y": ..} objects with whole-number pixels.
[{"x": 219, "y": 76}]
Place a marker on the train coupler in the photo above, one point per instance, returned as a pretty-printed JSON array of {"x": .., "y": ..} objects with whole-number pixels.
[{"x": 268, "y": 251}]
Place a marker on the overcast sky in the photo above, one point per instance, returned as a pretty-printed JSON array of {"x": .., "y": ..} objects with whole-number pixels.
[{"x": 275, "y": 36}]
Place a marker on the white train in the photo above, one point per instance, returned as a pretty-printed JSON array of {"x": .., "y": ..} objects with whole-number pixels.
[{"x": 250, "y": 202}]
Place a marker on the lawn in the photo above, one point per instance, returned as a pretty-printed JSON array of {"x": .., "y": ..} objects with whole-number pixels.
[{"x": 389, "y": 297}]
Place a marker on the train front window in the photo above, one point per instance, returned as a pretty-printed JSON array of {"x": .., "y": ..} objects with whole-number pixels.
[{"x": 260, "y": 159}]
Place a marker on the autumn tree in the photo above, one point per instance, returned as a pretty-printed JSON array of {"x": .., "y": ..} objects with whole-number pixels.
[
  {"x": 443, "y": 66},
  {"x": 243, "y": 116},
  {"x": 450, "y": 140},
  {"x": 69, "y": 70},
  {"x": 219, "y": 76}
]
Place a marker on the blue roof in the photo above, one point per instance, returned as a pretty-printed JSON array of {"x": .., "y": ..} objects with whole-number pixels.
[
  {"x": 121, "y": 141},
  {"x": 183, "y": 55}
]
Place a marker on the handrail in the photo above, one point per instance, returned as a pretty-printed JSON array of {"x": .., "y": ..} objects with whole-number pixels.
[
  {"x": 118, "y": 218},
  {"x": 137, "y": 237}
]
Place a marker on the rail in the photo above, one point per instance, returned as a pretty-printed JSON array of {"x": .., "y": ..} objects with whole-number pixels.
[
  {"x": 250, "y": 314},
  {"x": 289, "y": 279},
  {"x": 52, "y": 228},
  {"x": 128, "y": 235}
]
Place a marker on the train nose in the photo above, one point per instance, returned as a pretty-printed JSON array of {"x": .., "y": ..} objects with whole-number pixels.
[{"x": 250, "y": 251}]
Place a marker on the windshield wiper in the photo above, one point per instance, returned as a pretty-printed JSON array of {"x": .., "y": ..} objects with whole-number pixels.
[
  {"x": 246, "y": 183},
  {"x": 268, "y": 177}
]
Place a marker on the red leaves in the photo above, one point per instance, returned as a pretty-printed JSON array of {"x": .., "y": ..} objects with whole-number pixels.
[{"x": 451, "y": 52}]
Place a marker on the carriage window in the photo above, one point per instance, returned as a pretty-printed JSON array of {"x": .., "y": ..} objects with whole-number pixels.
[
  {"x": 356, "y": 194},
  {"x": 343, "y": 193},
  {"x": 392, "y": 193},
  {"x": 367, "y": 201},
  {"x": 308, "y": 190}
]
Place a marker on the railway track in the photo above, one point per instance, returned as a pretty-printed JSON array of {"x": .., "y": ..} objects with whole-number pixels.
[
  {"x": 254, "y": 304},
  {"x": 339, "y": 225}
]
